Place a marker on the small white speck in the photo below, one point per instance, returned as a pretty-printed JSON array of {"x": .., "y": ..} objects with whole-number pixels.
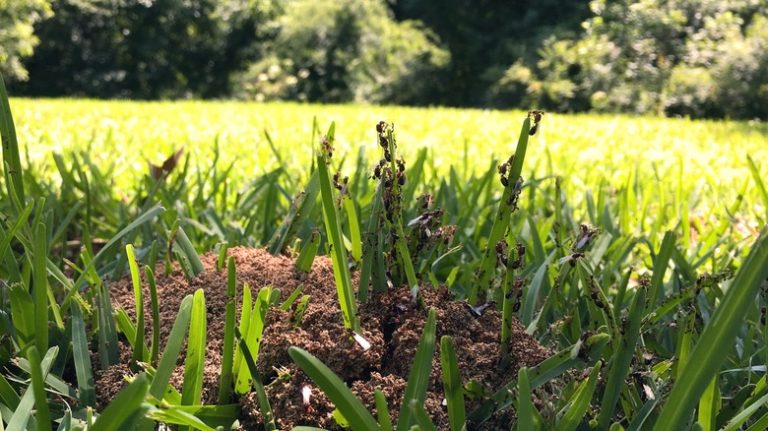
[
  {"x": 306, "y": 392},
  {"x": 365, "y": 344}
]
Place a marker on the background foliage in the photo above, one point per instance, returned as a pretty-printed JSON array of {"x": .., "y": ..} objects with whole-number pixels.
[{"x": 698, "y": 58}]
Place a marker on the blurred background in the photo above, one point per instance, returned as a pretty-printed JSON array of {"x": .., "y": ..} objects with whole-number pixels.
[{"x": 696, "y": 58}]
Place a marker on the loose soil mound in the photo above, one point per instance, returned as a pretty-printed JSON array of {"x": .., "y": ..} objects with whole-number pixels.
[{"x": 392, "y": 323}]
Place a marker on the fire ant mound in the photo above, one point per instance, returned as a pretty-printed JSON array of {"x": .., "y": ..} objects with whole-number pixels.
[{"x": 391, "y": 322}]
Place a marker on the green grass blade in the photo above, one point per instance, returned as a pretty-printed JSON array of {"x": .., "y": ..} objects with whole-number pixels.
[
  {"x": 11, "y": 160},
  {"x": 525, "y": 408},
  {"x": 172, "y": 349},
  {"x": 139, "y": 355},
  {"x": 354, "y": 228},
  {"x": 418, "y": 377},
  {"x": 22, "y": 416},
  {"x": 228, "y": 352},
  {"x": 194, "y": 365},
  {"x": 501, "y": 219},
  {"x": 187, "y": 254},
  {"x": 22, "y": 315},
  {"x": 82, "y": 358},
  {"x": 709, "y": 406},
  {"x": 660, "y": 265},
  {"x": 121, "y": 413},
  {"x": 624, "y": 351},
  {"x": 579, "y": 403},
  {"x": 176, "y": 416},
  {"x": 253, "y": 337},
  {"x": 720, "y": 331},
  {"x": 308, "y": 252},
  {"x": 382, "y": 410},
  {"x": 42, "y": 410},
  {"x": 344, "y": 288},
  {"x": 421, "y": 417},
  {"x": 153, "y": 301},
  {"x": 736, "y": 422},
  {"x": 258, "y": 385},
  {"x": 759, "y": 182},
  {"x": 350, "y": 406},
  {"x": 454, "y": 391},
  {"x": 40, "y": 254}
]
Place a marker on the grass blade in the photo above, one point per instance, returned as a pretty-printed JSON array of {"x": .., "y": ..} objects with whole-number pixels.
[
  {"x": 624, "y": 351},
  {"x": 258, "y": 385},
  {"x": 82, "y": 358},
  {"x": 194, "y": 365},
  {"x": 344, "y": 287},
  {"x": 40, "y": 254},
  {"x": 454, "y": 391},
  {"x": 308, "y": 252},
  {"x": 525, "y": 408},
  {"x": 11, "y": 160},
  {"x": 38, "y": 388},
  {"x": 123, "y": 411},
  {"x": 139, "y": 355},
  {"x": 172, "y": 349},
  {"x": 579, "y": 402},
  {"x": 487, "y": 266},
  {"x": 228, "y": 351},
  {"x": 720, "y": 331},
  {"x": 253, "y": 337},
  {"x": 382, "y": 410},
  {"x": 348, "y": 404},
  {"x": 418, "y": 377}
]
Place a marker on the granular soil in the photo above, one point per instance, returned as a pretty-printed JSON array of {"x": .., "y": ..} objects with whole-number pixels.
[{"x": 391, "y": 322}]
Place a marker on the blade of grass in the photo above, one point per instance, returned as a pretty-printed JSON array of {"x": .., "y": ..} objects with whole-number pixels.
[
  {"x": 500, "y": 225},
  {"x": 577, "y": 406},
  {"x": 340, "y": 395},
  {"x": 124, "y": 410},
  {"x": 382, "y": 410},
  {"x": 228, "y": 354},
  {"x": 344, "y": 288},
  {"x": 172, "y": 349},
  {"x": 139, "y": 355},
  {"x": 720, "y": 331},
  {"x": 42, "y": 410},
  {"x": 454, "y": 392},
  {"x": 41, "y": 288},
  {"x": 82, "y": 358},
  {"x": 253, "y": 337},
  {"x": 418, "y": 377},
  {"x": 525, "y": 415},
  {"x": 153, "y": 301},
  {"x": 308, "y": 252},
  {"x": 624, "y": 351},
  {"x": 192, "y": 389},
  {"x": 22, "y": 416},
  {"x": 11, "y": 160},
  {"x": 258, "y": 384}
]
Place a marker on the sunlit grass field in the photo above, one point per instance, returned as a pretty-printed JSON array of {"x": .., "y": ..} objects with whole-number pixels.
[{"x": 675, "y": 163}]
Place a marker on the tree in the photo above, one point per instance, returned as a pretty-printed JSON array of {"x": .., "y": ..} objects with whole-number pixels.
[
  {"x": 341, "y": 51},
  {"x": 17, "y": 38}
]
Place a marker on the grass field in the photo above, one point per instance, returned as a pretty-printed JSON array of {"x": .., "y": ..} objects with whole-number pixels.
[{"x": 643, "y": 250}]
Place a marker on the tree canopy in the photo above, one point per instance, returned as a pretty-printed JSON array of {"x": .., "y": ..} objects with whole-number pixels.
[{"x": 699, "y": 58}]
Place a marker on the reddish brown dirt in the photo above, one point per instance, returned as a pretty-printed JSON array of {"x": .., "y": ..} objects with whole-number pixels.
[{"x": 391, "y": 322}]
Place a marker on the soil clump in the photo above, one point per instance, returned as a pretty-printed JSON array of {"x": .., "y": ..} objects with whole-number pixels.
[{"x": 391, "y": 322}]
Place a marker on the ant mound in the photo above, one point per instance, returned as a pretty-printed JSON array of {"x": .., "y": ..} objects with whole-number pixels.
[{"x": 391, "y": 322}]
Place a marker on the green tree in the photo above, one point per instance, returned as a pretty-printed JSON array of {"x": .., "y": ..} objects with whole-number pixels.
[
  {"x": 341, "y": 51},
  {"x": 143, "y": 48},
  {"x": 17, "y": 38}
]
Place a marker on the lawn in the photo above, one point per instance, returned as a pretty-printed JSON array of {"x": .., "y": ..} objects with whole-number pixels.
[{"x": 631, "y": 248}]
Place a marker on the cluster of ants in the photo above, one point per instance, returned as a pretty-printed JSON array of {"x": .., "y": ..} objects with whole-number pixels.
[{"x": 427, "y": 229}]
